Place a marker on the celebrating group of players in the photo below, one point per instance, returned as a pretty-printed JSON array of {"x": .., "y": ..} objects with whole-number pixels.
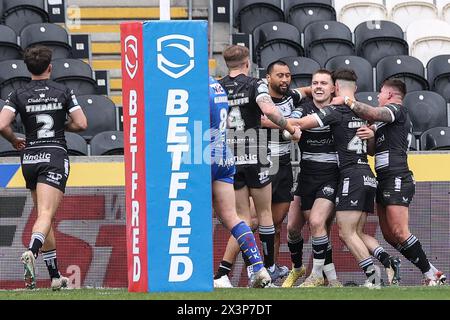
[{"x": 335, "y": 133}]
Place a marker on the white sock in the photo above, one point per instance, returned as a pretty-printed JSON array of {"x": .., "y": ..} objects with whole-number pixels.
[
  {"x": 330, "y": 271},
  {"x": 433, "y": 268},
  {"x": 318, "y": 267},
  {"x": 430, "y": 274}
]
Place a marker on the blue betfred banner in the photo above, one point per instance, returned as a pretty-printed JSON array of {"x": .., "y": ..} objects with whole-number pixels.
[{"x": 178, "y": 179}]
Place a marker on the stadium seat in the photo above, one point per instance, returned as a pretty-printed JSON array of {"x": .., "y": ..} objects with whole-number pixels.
[
  {"x": 438, "y": 75},
  {"x": 361, "y": 66},
  {"x": 427, "y": 109},
  {"x": 428, "y": 38},
  {"x": 75, "y": 74},
  {"x": 302, "y": 69},
  {"x": 378, "y": 39},
  {"x": 274, "y": 40},
  {"x": 6, "y": 149},
  {"x": 48, "y": 34},
  {"x": 76, "y": 145},
  {"x": 107, "y": 143},
  {"x": 407, "y": 68},
  {"x": 100, "y": 113},
  {"x": 248, "y": 14},
  {"x": 352, "y": 12},
  {"x": 437, "y": 138},
  {"x": 404, "y": 12},
  {"x": 9, "y": 49},
  {"x": 300, "y": 13},
  {"x": 17, "y": 124},
  {"x": 20, "y": 13},
  {"x": 13, "y": 75},
  {"x": 368, "y": 97},
  {"x": 326, "y": 39}
]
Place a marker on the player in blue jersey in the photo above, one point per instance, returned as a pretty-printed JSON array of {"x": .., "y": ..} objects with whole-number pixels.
[{"x": 222, "y": 173}]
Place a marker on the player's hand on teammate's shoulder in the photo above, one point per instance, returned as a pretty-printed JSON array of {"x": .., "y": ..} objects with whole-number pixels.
[
  {"x": 337, "y": 101},
  {"x": 297, "y": 134},
  {"x": 18, "y": 143},
  {"x": 365, "y": 133}
]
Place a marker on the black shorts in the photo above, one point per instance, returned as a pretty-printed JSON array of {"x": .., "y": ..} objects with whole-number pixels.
[
  {"x": 45, "y": 165},
  {"x": 396, "y": 190},
  {"x": 311, "y": 187},
  {"x": 254, "y": 176},
  {"x": 356, "y": 190},
  {"x": 282, "y": 183}
]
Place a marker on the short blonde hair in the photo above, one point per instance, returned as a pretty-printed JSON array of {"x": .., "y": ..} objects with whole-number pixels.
[{"x": 236, "y": 56}]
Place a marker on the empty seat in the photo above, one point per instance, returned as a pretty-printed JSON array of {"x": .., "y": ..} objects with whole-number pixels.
[
  {"x": 378, "y": 39},
  {"x": 406, "y": 68},
  {"x": 368, "y": 97},
  {"x": 438, "y": 75},
  {"x": 326, "y": 39},
  {"x": 248, "y": 14},
  {"x": 300, "y": 13},
  {"x": 6, "y": 148},
  {"x": 302, "y": 69},
  {"x": 274, "y": 40},
  {"x": 100, "y": 113},
  {"x": 427, "y": 109},
  {"x": 48, "y": 34},
  {"x": 9, "y": 49},
  {"x": 13, "y": 75},
  {"x": 19, "y": 13},
  {"x": 107, "y": 143},
  {"x": 75, "y": 74},
  {"x": 361, "y": 66},
  {"x": 428, "y": 38},
  {"x": 353, "y": 12},
  {"x": 404, "y": 12},
  {"x": 437, "y": 138},
  {"x": 76, "y": 145}
]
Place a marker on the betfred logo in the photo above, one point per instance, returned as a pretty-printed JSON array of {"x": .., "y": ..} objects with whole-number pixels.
[
  {"x": 131, "y": 55},
  {"x": 175, "y": 55}
]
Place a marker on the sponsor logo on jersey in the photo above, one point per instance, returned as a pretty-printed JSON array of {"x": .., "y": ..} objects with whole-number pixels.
[
  {"x": 370, "y": 181},
  {"x": 44, "y": 107},
  {"x": 54, "y": 177},
  {"x": 184, "y": 56},
  {"x": 328, "y": 191},
  {"x": 36, "y": 158}
]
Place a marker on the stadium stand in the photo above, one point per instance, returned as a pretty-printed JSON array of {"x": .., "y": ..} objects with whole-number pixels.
[
  {"x": 13, "y": 75},
  {"x": 20, "y": 13},
  {"x": 368, "y": 97},
  {"x": 302, "y": 69},
  {"x": 427, "y": 109},
  {"x": 438, "y": 75},
  {"x": 100, "y": 112},
  {"x": 407, "y": 68},
  {"x": 300, "y": 13},
  {"x": 378, "y": 39},
  {"x": 6, "y": 149},
  {"x": 48, "y": 34},
  {"x": 75, "y": 74},
  {"x": 361, "y": 66},
  {"x": 427, "y": 38},
  {"x": 404, "y": 12},
  {"x": 274, "y": 40},
  {"x": 9, "y": 49},
  {"x": 326, "y": 39},
  {"x": 248, "y": 14},
  {"x": 76, "y": 145},
  {"x": 107, "y": 143},
  {"x": 353, "y": 12},
  {"x": 437, "y": 138}
]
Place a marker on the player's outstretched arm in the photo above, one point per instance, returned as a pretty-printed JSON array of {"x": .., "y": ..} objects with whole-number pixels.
[{"x": 364, "y": 111}]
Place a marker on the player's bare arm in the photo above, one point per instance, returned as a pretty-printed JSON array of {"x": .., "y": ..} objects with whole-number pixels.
[
  {"x": 6, "y": 118},
  {"x": 364, "y": 111},
  {"x": 77, "y": 121},
  {"x": 307, "y": 122}
]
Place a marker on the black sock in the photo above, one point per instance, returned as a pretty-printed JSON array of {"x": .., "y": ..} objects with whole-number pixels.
[
  {"x": 368, "y": 268},
  {"x": 51, "y": 263},
  {"x": 319, "y": 247},
  {"x": 37, "y": 240},
  {"x": 267, "y": 237},
  {"x": 296, "y": 250},
  {"x": 224, "y": 269},
  {"x": 329, "y": 254},
  {"x": 382, "y": 256},
  {"x": 412, "y": 250}
]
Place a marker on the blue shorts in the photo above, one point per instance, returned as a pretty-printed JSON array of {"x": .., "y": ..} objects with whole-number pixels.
[{"x": 222, "y": 173}]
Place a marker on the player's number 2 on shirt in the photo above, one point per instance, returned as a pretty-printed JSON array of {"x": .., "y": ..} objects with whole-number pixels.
[{"x": 46, "y": 130}]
